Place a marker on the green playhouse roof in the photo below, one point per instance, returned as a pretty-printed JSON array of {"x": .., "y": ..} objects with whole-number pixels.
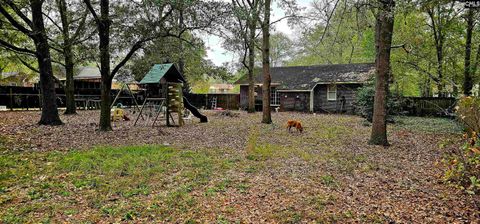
[{"x": 158, "y": 71}]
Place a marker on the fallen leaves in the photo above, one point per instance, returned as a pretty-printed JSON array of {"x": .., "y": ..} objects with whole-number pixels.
[{"x": 327, "y": 174}]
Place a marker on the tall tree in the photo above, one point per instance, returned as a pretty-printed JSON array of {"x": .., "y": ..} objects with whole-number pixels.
[
  {"x": 383, "y": 43},
  {"x": 467, "y": 73},
  {"x": 441, "y": 16},
  {"x": 69, "y": 38},
  {"x": 103, "y": 26},
  {"x": 35, "y": 30},
  {"x": 155, "y": 19},
  {"x": 267, "y": 79},
  {"x": 244, "y": 33}
]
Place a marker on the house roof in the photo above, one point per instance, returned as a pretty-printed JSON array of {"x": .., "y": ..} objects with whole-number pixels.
[
  {"x": 88, "y": 72},
  {"x": 306, "y": 77},
  {"x": 158, "y": 71}
]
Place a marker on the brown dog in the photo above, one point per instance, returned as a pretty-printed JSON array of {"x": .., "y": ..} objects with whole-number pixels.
[{"x": 296, "y": 124}]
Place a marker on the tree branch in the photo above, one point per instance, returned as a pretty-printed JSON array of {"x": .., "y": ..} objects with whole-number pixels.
[
  {"x": 27, "y": 64},
  {"x": 19, "y": 13},
  {"x": 16, "y": 49},
  {"x": 132, "y": 51},
  {"x": 418, "y": 68},
  {"x": 88, "y": 3},
  {"x": 15, "y": 23},
  {"x": 400, "y": 46},
  {"x": 53, "y": 21}
]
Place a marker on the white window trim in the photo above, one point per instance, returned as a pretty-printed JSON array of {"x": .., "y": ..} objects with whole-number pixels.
[
  {"x": 328, "y": 91},
  {"x": 276, "y": 95}
]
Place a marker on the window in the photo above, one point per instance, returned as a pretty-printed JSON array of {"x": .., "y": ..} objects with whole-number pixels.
[
  {"x": 332, "y": 92},
  {"x": 274, "y": 97}
]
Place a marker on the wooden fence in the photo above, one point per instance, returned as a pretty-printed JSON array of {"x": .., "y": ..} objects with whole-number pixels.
[
  {"x": 429, "y": 106},
  {"x": 15, "y": 97},
  {"x": 228, "y": 101}
]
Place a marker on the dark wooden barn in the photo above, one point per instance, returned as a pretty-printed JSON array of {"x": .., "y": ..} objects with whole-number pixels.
[{"x": 319, "y": 88}]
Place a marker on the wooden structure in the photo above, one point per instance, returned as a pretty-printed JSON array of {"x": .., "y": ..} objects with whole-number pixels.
[
  {"x": 126, "y": 87},
  {"x": 175, "y": 103},
  {"x": 163, "y": 84}
]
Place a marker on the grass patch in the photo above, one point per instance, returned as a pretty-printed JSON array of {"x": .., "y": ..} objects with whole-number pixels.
[
  {"x": 428, "y": 124},
  {"x": 105, "y": 176},
  {"x": 320, "y": 202},
  {"x": 329, "y": 181}
]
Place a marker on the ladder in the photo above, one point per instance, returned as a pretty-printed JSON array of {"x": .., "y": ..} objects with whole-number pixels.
[{"x": 214, "y": 103}]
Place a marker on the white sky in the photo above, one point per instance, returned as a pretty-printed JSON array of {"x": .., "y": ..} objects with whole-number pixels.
[{"x": 218, "y": 55}]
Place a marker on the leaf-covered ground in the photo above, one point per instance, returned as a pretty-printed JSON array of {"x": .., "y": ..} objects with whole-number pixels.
[{"x": 227, "y": 170}]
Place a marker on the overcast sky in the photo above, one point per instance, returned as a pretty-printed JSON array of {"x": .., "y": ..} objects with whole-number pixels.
[{"x": 218, "y": 55}]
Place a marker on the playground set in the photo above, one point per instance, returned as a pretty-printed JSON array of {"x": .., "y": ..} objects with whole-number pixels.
[{"x": 164, "y": 99}]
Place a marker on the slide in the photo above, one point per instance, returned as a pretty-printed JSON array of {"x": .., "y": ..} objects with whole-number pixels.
[{"x": 194, "y": 110}]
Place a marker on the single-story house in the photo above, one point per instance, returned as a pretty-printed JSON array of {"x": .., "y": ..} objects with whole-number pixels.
[
  {"x": 221, "y": 88},
  {"x": 18, "y": 79},
  {"x": 318, "y": 88},
  {"x": 89, "y": 78}
]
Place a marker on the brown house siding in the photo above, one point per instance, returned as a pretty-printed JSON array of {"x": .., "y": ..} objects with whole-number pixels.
[
  {"x": 244, "y": 97},
  {"x": 295, "y": 101},
  {"x": 300, "y": 101},
  {"x": 348, "y": 91}
]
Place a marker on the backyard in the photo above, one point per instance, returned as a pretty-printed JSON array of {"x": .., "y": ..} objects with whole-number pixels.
[{"x": 230, "y": 170}]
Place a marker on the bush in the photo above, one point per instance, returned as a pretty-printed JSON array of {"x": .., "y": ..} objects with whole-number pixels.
[
  {"x": 463, "y": 164},
  {"x": 468, "y": 113},
  {"x": 365, "y": 100}
]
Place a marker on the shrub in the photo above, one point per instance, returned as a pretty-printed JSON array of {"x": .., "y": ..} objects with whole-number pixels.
[
  {"x": 463, "y": 164},
  {"x": 468, "y": 113},
  {"x": 365, "y": 100}
]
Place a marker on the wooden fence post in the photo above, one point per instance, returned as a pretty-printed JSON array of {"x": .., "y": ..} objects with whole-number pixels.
[{"x": 11, "y": 99}]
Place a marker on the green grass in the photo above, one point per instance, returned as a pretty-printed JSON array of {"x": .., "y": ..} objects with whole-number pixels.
[
  {"x": 105, "y": 176},
  {"x": 428, "y": 125}
]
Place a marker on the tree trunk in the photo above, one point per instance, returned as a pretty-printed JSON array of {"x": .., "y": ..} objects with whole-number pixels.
[
  {"x": 69, "y": 87},
  {"x": 251, "y": 64},
  {"x": 441, "y": 83},
  {"x": 68, "y": 55},
  {"x": 468, "y": 80},
  {"x": 106, "y": 86},
  {"x": 181, "y": 59},
  {"x": 47, "y": 85},
  {"x": 476, "y": 62},
  {"x": 383, "y": 41},
  {"x": 105, "y": 124},
  {"x": 267, "y": 116},
  {"x": 437, "y": 29}
]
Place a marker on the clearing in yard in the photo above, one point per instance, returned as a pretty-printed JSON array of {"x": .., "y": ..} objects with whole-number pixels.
[{"x": 228, "y": 170}]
